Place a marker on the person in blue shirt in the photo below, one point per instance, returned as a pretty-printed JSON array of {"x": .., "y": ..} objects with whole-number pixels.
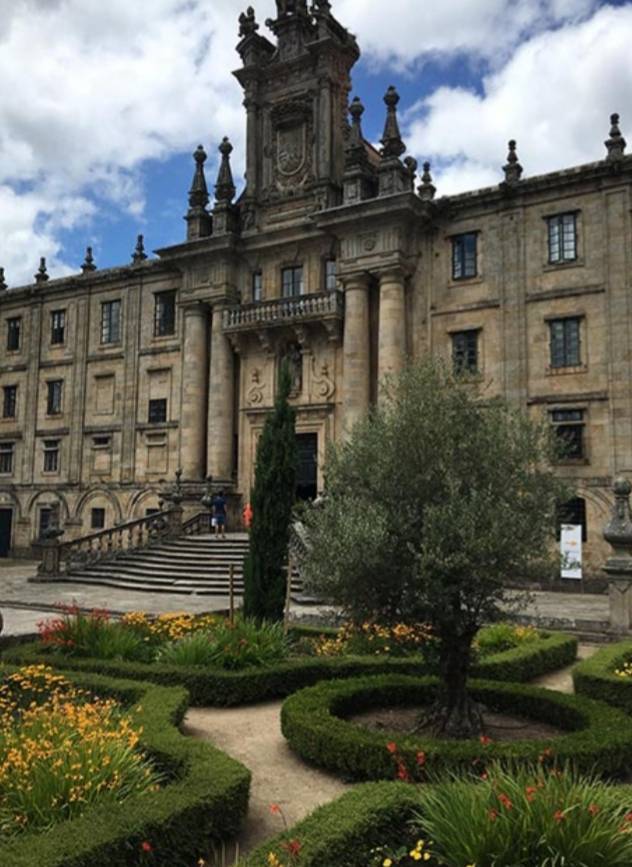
[{"x": 219, "y": 514}]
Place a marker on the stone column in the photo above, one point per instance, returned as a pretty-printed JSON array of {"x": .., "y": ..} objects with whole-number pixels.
[
  {"x": 618, "y": 568},
  {"x": 194, "y": 412},
  {"x": 392, "y": 331},
  {"x": 221, "y": 404},
  {"x": 356, "y": 352}
]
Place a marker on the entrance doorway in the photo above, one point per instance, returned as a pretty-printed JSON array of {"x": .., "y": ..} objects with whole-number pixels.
[
  {"x": 6, "y": 519},
  {"x": 307, "y": 469}
]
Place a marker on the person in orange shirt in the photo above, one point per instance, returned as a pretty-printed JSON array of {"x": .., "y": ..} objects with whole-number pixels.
[{"x": 247, "y": 516}]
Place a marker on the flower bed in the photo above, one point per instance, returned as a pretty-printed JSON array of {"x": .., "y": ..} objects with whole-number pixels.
[
  {"x": 208, "y": 686},
  {"x": 597, "y": 677},
  {"x": 598, "y": 735},
  {"x": 203, "y": 796}
]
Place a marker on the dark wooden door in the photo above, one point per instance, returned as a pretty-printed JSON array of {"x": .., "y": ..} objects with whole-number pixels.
[
  {"x": 307, "y": 470},
  {"x": 6, "y": 518}
]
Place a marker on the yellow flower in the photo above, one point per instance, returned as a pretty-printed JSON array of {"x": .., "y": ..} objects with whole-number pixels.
[{"x": 387, "y": 863}]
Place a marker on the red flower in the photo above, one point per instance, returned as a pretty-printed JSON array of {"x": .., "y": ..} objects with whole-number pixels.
[
  {"x": 484, "y": 776},
  {"x": 275, "y": 809},
  {"x": 402, "y": 772},
  {"x": 391, "y": 746},
  {"x": 293, "y": 848},
  {"x": 421, "y": 759},
  {"x": 594, "y": 809},
  {"x": 485, "y": 741},
  {"x": 559, "y": 816},
  {"x": 505, "y": 801},
  {"x": 530, "y": 792},
  {"x": 492, "y": 815},
  {"x": 146, "y": 846}
]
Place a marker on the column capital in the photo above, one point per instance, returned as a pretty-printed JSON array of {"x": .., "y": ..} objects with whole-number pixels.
[
  {"x": 360, "y": 280},
  {"x": 195, "y": 308},
  {"x": 396, "y": 273}
]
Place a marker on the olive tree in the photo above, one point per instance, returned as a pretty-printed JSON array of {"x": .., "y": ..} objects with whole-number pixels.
[{"x": 435, "y": 500}]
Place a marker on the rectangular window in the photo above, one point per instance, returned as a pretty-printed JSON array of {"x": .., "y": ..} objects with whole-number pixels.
[
  {"x": 465, "y": 351},
  {"x": 257, "y": 286},
  {"x": 158, "y": 411},
  {"x": 97, "y": 519},
  {"x": 48, "y": 517},
  {"x": 51, "y": 456},
  {"x": 569, "y": 430},
  {"x": 464, "y": 256},
  {"x": 53, "y": 400},
  {"x": 101, "y": 442},
  {"x": 57, "y": 326},
  {"x": 10, "y": 401},
  {"x": 13, "y": 334},
  {"x": 111, "y": 322},
  {"x": 6, "y": 458},
  {"x": 292, "y": 279},
  {"x": 164, "y": 314},
  {"x": 562, "y": 238},
  {"x": 565, "y": 342},
  {"x": 331, "y": 275}
]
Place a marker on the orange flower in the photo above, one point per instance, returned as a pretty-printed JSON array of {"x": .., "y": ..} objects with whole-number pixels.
[
  {"x": 530, "y": 792},
  {"x": 391, "y": 746},
  {"x": 492, "y": 815},
  {"x": 421, "y": 759},
  {"x": 559, "y": 816},
  {"x": 504, "y": 800},
  {"x": 594, "y": 809},
  {"x": 485, "y": 741},
  {"x": 275, "y": 809}
]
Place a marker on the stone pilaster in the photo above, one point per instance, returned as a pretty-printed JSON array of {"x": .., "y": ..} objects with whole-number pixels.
[
  {"x": 194, "y": 412},
  {"x": 392, "y": 331},
  {"x": 221, "y": 403},
  {"x": 356, "y": 354}
]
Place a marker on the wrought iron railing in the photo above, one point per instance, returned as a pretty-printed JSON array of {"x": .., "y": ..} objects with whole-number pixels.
[{"x": 285, "y": 310}]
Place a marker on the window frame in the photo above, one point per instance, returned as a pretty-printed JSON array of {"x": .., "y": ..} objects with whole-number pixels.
[
  {"x": 9, "y": 401},
  {"x": 107, "y": 322},
  {"x": 330, "y": 274},
  {"x": 569, "y": 425},
  {"x": 164, "y": 326},
  {"x": 558, "y": 222},
  {"x": 293, "y": 270},
  {"x": 58, "y": 327},
  {"x": 466, "y": 334},
  {"x": 460, "y": 258},
  {"x": 14, "y": 333},
  {"x": 567, "y": 342},
  {"x": 7, "y": 453},
  {"x": 52, "y": 455},
  {"x": 151, "y": 410},
  {"x": 101, "y": 513},
  {"x": 53, "y": 407},
  {"x": 256, "y": 286}
]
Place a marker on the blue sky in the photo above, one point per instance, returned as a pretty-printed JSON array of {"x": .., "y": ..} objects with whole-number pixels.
[{"x": 98, "y": 127}]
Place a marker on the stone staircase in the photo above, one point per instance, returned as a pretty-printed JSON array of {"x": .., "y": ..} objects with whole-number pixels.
[{"x": 190, "y": 565}]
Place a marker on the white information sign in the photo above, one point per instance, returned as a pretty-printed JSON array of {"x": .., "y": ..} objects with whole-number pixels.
[{"x": 571, "y": 547}]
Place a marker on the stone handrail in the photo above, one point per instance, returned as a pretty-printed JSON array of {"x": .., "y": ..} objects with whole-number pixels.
[
  {"x": 282, "y": 310},
  {"x": 198, "y": 525}
]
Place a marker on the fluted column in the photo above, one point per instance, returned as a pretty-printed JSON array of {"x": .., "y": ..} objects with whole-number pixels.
[
  {"x": 221, "y": 403},
  {"x": 194, "y": 393},
  {"x": 392, "y": 330},
  {"x": 356, "y": 352}
]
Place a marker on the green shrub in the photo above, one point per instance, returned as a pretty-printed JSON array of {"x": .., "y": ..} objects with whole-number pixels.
[
  {"x": 93, "y": 635},
  {"x": 504, "y": 636},
  {"x": 216, "y": 687},
  {"x": 245, "y": 644},
  {"x": 205, "y": 798},
  {"x": 527, "y": 817},
  {"x": 595, "y": 735},
  {"x": 596, "y": 677}
]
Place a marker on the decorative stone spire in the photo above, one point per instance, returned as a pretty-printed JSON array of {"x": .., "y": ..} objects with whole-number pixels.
[
  {"x": 616, "y": 144},
  {"x": 89, "y": 264},
  {"x": 392, "y": 144},
  {"x": 198, "y": 218},
  {"x": 42, "y": 273},
  {"x": 426, "y": 189},
  {"x": 248, "y": 23},
  {"x": 356, "y": 136},
  {"x": 225, "y": 186},
  {"x": 291, "y": 7},
  {"x": 3, "y": 283},
  {"x": 359, "y": 176},
  {"x": 618, "y": 532},
  {"x": 513, "y": 169},
  {"x": 139, "y": 254}
]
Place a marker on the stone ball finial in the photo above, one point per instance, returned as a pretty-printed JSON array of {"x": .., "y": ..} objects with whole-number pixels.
[
  {"x": 356, "y": 109},
  {"x": 391, "y": 97},
  {"x": 622, "y": 487},
  {"x": 200, "y": 155},
  {"x": 226, "y": 147}
]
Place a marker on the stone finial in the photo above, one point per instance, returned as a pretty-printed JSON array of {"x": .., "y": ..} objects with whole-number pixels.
[
  {"x": 198, "y": 194},
  {"x": 392, "y": 144},
  {"x": 225, "y": 186},
  {"x": 322, "y": 7},
  {"x": 410, "y": 166},
  {"x": 42, "y": 273},
  {"x": 616, "y": 144},
  {"x": 139, "y": 254},
  {"x": 426, "y": 189},
  {"x": 3, "y": 282},
  {"x": 248, "y": 23},
  {"x": 356, "y": 136},
  {"x": 512, "y": 169},
  {"x": 618, "y": 531},
  {"x": 291, "y": 7},
  {"x": 89, "y": 264}
]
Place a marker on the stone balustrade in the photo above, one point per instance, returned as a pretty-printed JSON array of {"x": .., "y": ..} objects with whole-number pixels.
[{"x": 283, "y": 311}]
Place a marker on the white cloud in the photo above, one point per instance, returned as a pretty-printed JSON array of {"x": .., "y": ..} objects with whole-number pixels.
[{"x": 554, "y": 96}]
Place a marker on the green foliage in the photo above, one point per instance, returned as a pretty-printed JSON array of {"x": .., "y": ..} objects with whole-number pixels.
[
  {"x": 231, "y": 647},
  {"x": 528, "y": 817},
  {"x": 93, "y": 635},
  {"x": 272, "y": 501},
  {"x": 205, "y": 799},
  {"x": 595, "y": 677},
  {"x": 504, "y": 636},
  {"x": 594, "y": 735}
]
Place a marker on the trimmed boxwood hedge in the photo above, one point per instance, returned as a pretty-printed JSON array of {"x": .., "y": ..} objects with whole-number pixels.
[
  {"x": 595, "y": 677},
  {"x": 599, "y": 736},
  {"x": 206, "y": 798},
  {"x": 219, "y": 688}
]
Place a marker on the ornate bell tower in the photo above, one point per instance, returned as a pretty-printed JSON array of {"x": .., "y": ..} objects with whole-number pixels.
[{"x": 296, "y": 95}]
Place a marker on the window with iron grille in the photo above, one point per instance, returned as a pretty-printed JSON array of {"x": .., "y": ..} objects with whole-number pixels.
[
  {"x": 331, "y": 275},
  {"x": 51, "y": 456},
  {"x": 465, "y": 351},
  {"x": 97, "y": 519},
  {"x": 292, "y": 280},
  {"x": 158, "y": 411},
  {"x": 6, "y": 458},
  {"x": 562, "y": 238},
  {"x": 257, "y": 286},
  {"x": 13, "y": 334},
  {"x": 57, "y": 326},
  {"x": 10, "y": 401},
  {"x": 565, "y": 342},
  {"x": 53, "y": 400},
  {"x": 569, "y": 430},
  {"x": 110, "y": 322},
  {"x": 464, "y": 256},
  {"x": 573, "y": 512},
  {"x": 164, "y": 314}
]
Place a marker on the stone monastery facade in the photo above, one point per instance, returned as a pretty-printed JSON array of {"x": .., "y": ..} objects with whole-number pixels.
[{"x": 339, "y": 258}]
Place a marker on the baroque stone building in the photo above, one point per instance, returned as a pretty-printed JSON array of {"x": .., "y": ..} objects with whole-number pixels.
[{"x": 336, "y": 257}]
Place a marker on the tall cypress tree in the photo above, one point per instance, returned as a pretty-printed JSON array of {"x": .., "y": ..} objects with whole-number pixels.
[{"x": 272, "y": 501}]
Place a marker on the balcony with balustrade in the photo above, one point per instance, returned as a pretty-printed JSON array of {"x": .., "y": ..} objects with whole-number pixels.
[{"x": 324, "y": 309}]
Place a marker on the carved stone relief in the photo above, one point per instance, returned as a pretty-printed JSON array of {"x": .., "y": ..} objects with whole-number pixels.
[
  {"x": 324, "y": 386},
  {"x": 257, "y": 387}
]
